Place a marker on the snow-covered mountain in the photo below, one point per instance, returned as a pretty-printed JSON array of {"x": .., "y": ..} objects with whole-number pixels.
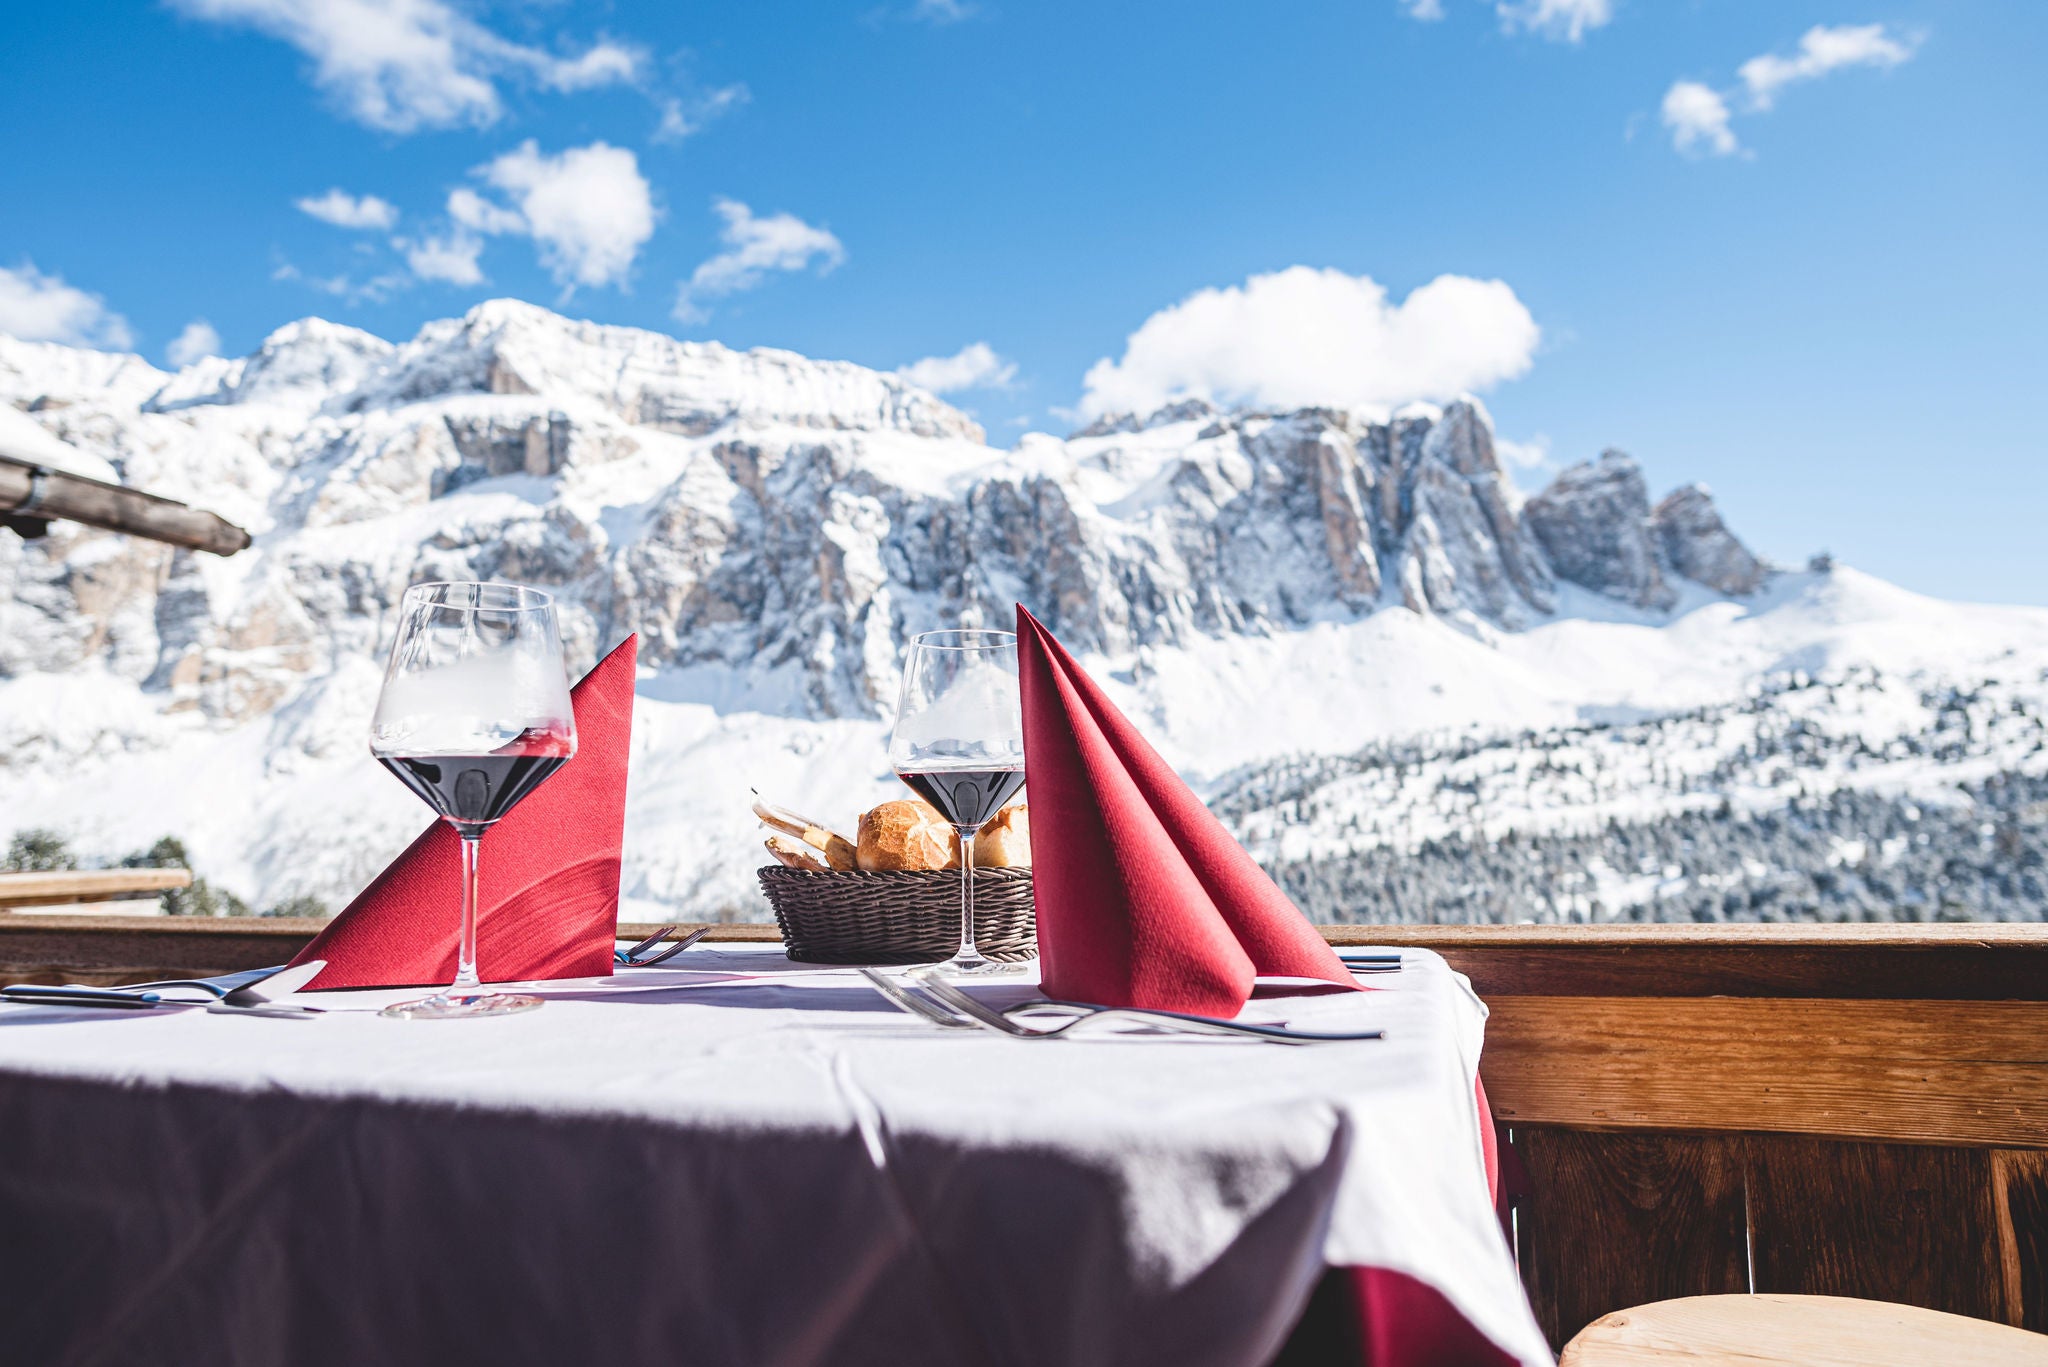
[{"x": 1256, "y": 587}]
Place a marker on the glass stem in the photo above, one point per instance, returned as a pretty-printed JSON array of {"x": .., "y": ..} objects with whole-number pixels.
[
  {"x": 466, "y": 981},
  {"x": 967, "y": 949}
]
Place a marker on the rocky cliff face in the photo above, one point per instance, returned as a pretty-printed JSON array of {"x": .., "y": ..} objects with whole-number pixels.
[
  {"x": 1598, "y": 530},
  {"x": 1696, "y": 544},
  {"x": 774, "y": 527}
]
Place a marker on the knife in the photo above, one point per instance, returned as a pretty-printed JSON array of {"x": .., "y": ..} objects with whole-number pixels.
[
  {"x": 258, "y": 998},
  {"x": 44, "y": 994}
]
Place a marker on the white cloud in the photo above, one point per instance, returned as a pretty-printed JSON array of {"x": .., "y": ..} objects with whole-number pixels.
[
  {"x": 1429, "y": 11},
  {"x": 1698, "y": 119},
  {"x": 602, "y": 64},
  {"x": 975, "y": 366},
  {"x": 197, "y": 340},
  {"x": 1303, "y": 336},
  {"x": 1567, "y": 20},
  {"x": 1698, "y": 115},
  {"x": 343, "y": 286},
  {"x": 680, "y": 119},
  {"x": 472, "y": 210},
  {"x": 402, "y": 65},
  {"x": 754, "y": 247},
  {"x": 1821, "y": 50},
  {"x": 451, "y": 257},
  {"x": 589, "y": 209},
  {"x": 344, "y": 210},
  {"x": 42, "y": 308},
  {"x": 941, "y": 11}
]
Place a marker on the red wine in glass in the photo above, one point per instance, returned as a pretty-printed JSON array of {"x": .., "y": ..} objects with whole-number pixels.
[
  {"x": 474, "y": 715},
  {"x": 967, "y": 798},
  {"x": 959, "y": 744},
  {"x": 476, "y": 790}
]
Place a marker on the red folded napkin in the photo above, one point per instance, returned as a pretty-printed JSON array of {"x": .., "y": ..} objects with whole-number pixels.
[
  {"x": 549, "y": 872},
  {"x": 1143, "y": 898}
]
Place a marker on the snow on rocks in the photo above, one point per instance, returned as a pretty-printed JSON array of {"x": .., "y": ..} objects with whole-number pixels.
[{"x": 775, "y": 528}]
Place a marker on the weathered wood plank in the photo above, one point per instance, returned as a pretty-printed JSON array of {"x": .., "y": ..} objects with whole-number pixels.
[
  {"x": 1798, "y": 1331},
  {"x": 1903, "y": 962},
  {"x": 87, "y": 885},
  {"x": 1620, "y": 1219},
  {"x": 1893, "y": 1222},
  {"x": 1984, "y": 962},
  {"x": 1926, "y": 1072},
  {"x": 2019, "y": 1192}
]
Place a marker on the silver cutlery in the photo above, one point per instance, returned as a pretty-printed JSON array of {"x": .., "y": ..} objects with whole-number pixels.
[
  {"x": 46, "y": 994},
  {"x": 904, "y": 993},
  {"x": 905, "y": 999},
  {"x": 259, "y": 998},
  {"x": 626, "y": 956},
  {"x": 253, "y": 997},
  {"x": 642, "y": 955}
]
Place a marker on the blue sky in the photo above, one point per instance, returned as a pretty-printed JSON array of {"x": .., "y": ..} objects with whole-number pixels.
[{"x": 1792, "y": 248}]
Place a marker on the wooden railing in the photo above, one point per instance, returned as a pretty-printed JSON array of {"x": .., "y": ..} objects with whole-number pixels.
[
  {"x": 1845, "y": 1110},
  {"x": 65, "y": 886},
  {"x": 1833, "y": 1110}
]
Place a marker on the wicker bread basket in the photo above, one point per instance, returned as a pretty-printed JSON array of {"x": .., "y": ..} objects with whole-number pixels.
[{"x": 908, "y": 917}]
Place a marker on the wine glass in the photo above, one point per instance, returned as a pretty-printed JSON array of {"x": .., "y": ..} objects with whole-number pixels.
[
  {"x": 474, "y": 716},
  {"x": 959, "y": 744}
]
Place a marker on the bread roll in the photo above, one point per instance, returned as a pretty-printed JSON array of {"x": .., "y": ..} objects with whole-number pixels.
[
  {"x": 1005, "y": 842},
  {"x": 795, "y": 854},
  {"x": 906, "y": 834},
  {"x": 839, "y": 852}
]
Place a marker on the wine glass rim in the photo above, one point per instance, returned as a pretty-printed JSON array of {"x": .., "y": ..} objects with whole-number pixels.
[
  {"x": 528, "y": 599},
  {"x": 988, "y": 639}
]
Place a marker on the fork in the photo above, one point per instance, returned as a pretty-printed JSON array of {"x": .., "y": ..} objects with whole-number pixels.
[
  {"x": 1001, "y": 1023},
  {"x": 640, "y": 955},
  {"x": 901, "y": 994},
  {"x": 252, "y": 996}
]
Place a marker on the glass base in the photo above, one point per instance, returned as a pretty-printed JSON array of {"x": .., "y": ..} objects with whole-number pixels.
[
  {"x": 965, "y": 965},
  {"x": 452, "y": 1005}
]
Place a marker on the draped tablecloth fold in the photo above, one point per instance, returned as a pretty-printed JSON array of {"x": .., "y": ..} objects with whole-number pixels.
[{"x": 730, "y": 1160}]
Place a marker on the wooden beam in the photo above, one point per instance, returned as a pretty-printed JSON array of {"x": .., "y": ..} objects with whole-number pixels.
[
  {"x": 1976, "y": 962},
  {"x": 29, "y": 490},
  {"x": 57, "y": 887},
  {"x": 1914, "y": 1071},
  {"x": 1989, "y": 962}
]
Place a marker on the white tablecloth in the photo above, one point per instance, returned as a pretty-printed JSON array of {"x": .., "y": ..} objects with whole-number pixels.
[{"x": 730, "y": 1159}]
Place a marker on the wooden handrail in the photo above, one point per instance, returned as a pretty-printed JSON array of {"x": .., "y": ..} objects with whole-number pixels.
[
  {"x": 1974, "y": 962},
  {"x": 60, "y": 886}
]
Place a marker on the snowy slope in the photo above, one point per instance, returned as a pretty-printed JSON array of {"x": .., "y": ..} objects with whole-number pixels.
[{"x": 1253, "y": 587}]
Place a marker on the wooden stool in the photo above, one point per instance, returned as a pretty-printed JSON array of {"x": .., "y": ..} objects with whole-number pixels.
[{"x": 1797, "y": 1331}]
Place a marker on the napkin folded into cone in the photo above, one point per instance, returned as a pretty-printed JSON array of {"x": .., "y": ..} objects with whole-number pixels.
[
  {"x": 548, "y": 905},
  {"x": 1143, "y": 898}
]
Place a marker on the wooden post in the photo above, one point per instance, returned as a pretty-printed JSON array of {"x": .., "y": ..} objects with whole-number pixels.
[{"x": 31, "y": 493}]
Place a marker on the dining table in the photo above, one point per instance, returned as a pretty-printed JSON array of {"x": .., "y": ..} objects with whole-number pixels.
[{"x": 732, "y": 1158}]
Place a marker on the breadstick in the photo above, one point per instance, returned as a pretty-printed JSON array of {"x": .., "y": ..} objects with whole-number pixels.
[
  {"x": 794, "y": 854},
  {"x": 839, "y": 851}
]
